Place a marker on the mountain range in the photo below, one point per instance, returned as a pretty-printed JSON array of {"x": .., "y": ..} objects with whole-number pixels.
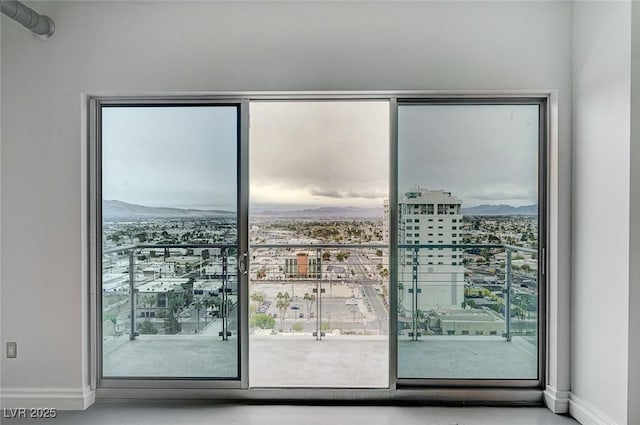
[
  {"x": 502, "y": 209},
  {"x": 114, "y": 208},
  {"x": 119, "y": 209},
  {"x": 327, "y": 212}
]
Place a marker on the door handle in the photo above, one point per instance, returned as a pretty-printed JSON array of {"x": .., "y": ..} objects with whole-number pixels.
[{"x": 242, "y": 263}]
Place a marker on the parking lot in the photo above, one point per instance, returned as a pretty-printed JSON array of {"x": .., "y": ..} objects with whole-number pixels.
[{"x": 343, "y": 308}]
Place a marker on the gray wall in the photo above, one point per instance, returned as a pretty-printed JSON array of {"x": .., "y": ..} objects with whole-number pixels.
[
  {"x": 600, "y": 210},
  {"x": 107, "y": 47},
  {"x": 634, "y": 233}
]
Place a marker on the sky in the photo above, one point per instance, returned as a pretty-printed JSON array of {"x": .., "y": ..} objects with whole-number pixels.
[
  {"x": 483, "y": 154},
  {"x": 306, "y": 154},
  {"x": 313, "y": 154},
  {"x": 182, "y": 157}
]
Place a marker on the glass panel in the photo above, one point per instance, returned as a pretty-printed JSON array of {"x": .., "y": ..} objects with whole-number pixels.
[
  {"x": 169, "y": 242},
  {"x": 319, "y": 257},
  {"x": 468, "y": 239}
]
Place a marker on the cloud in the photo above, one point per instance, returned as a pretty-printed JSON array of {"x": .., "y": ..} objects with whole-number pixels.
[
  {"x": 503, "y": 192},
  {"x": 334, "y": 193},
  {"x": 320, "y": 153}
]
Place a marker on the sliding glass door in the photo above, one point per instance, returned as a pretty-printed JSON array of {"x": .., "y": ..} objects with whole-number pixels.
[
  {"x": 386, "y": 241},
  {"x": 319, "y": 259},
  {"x": 169, "y": 241},
  {"x": 470, "y": 236}
]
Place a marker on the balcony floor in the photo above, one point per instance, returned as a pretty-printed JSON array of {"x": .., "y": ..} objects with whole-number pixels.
[{"x": 298, "y": 360}]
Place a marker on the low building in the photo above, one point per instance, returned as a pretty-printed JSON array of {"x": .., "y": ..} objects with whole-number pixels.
[
  {"x": 152, "y": 297},
  {"x": 465, "y": 322},
  {"x": 302, "y": 266}
]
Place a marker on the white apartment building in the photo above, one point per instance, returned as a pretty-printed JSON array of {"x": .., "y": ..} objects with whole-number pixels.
[{"x": 430, "y": 217}]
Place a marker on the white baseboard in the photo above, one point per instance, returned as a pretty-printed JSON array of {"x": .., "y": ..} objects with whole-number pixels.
[
  {"x": 556, "y": 401},
  {"x": 586, "y": 413},
  {"x": 58, "y": 398}
]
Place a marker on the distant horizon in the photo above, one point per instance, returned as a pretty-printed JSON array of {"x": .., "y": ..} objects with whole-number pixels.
[{"x": 294, "y": 207}]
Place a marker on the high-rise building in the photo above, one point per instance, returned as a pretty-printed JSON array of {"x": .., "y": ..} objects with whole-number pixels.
[{"x": 430, "y": 217}]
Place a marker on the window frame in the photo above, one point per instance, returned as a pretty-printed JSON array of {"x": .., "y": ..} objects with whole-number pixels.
[
  {"x": 398, "y": 390},
  {"x": 96, "y": 105},
  {"x": 543, "y": 237}
]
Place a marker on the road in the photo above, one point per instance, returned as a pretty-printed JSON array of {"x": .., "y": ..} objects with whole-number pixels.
[
  {"x": 375, "y": 302},
  {"x": 360, "y": 267}
]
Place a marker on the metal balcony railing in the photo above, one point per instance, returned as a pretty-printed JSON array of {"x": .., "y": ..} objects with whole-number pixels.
[
  {"x": 224, "y": 274},
  {"x": 429, "y": 255},
  {"x": 418, "y": 268}
]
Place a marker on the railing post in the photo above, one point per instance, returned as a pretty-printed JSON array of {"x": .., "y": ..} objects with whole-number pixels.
[
  {"x": 319, "y": 300},
  {"x": 414, "y": 296},
  {"x": 225, "y": 304},
  {"x": 507, "y": 296},
  {"x": 318, "y": 290},
  {"x": 318, "y": 310},
  {"x": 132, "y": 294}
]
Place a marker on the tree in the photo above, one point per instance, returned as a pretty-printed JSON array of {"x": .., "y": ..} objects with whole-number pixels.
[
  {"x": 258, "y": 299},
  {"x": 282, "y": 304},
  {"x": 147, "y": 328},
  {"x": 198, "y": 304},
  {"x": 401, "y": 290},
  {"x": 188, "y": 288},
  {"x": 171, "y": 323},
  {"x": 379, "y": 253},
  {"x": 310, "y": 299},
  {"x": 148, "y": 300},
  {"x": 384, "y": 273},
  {"x": 262, "y": 321},
  {"x": 207, "y": 304},
  {"x": 326, "y": 256},
  {"x": 342, "y": 255}
]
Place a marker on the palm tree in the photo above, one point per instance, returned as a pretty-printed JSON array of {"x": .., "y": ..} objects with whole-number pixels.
[
  {"x": 188, "y": 290},
  {"x": 150, "y": 301},
  {"x": 310, "y": 299},
  {"x": 172, "y": 323},
  {"x": 198, "y": 304},
  {"x": 258, "y": 299},
  {"x": 207, "y": 304},
  {"x": 282, "y": 304}
]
